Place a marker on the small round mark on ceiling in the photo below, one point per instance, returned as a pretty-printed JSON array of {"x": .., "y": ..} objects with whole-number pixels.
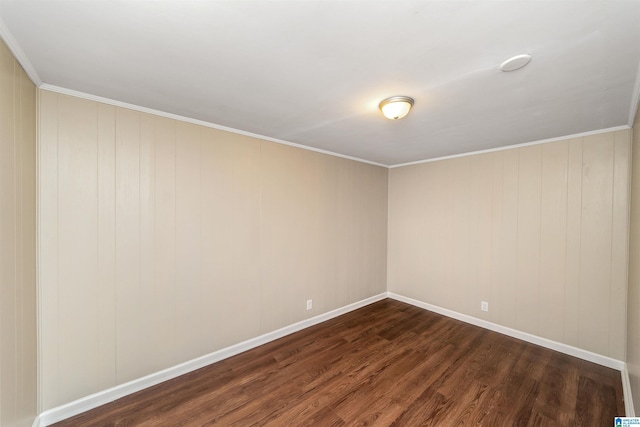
[{"x": 515, "y": 63}]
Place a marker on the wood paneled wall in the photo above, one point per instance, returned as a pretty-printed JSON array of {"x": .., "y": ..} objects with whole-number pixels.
[
  {"x": 162, "y": 241},
  {"x": 633, "y": 298},
  {"x": 18, "y": 353},
  {"x": 540, "y": 232}
]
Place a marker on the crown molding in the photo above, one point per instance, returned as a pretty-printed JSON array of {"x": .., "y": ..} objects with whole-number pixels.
[
  {"x": 509, "y": 147},
  {"x": 83, "y": 95},
  {"x": 90, "y": 97},
  {"x": 17, "y": 51},
  {"x": 635, "y": 99}
]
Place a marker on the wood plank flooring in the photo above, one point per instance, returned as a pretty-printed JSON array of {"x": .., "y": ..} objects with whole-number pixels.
[{"x": 387, "y": 364}]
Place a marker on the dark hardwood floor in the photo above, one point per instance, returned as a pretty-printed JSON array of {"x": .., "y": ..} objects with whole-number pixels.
[{"x": 387, "y": 364}]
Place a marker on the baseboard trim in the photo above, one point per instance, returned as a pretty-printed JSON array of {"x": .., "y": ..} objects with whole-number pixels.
[
  {"x": 553, "y": 345},
  {"x": 84, "y": 404},
  {"x": 626, "y": 391},
  {"x": 524, "y": 336}
]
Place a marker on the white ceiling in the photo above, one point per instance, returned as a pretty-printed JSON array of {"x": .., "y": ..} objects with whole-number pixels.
[{"x": 313, "y": 72}]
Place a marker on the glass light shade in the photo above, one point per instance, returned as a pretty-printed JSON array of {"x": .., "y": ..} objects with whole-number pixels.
[{"x": 396, "y": 107}]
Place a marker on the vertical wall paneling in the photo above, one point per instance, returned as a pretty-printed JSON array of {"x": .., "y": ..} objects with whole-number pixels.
[
  {"x": 506, "y": 302},
  {"x": 315, "y": 246},
  {"x": 189, "y": 240},
  {"x": 633, "y": 297},
  {"x": 496, "y": 237},
  {"x": 243, "y": 306},
  {"x": 279, "y": 227},
  {"x": 163, "y": 309},
  {"x": 528, "y": 249},
  {"x": 595, "y": 248},
  {"x": 28, "y": 350},
  {"x": 18, "y": 237},
  {"x": 553, "y": 225},
  {"x": 77, "y": 243},
  {"x": 218, "y": 234},
  {"x": 48, "y": 244},
  {"x": 401, "y": 257},
  {"x": 18, "y": 331},
  {"x": 8, "y": 256},
  {"x": 461, "y": 266},
  {"x": 482, "y": 190},
  {"x": 230, "y": 235},
  {"x": 127, "y": 260},
  {"x": 288, "y": 230},
  {"x": 147, "y": 239},
  {"x": 620, "y": 244},
  {"x": 539, "y": 232},
  {"x": 106, "y": 235},
  {"x": 332, "y": 256},
  {"x": 346, "y": 271},
  {"x": 188, "y": 243},
  {"x": 436, "y": 225},
  {"x": 573, "y": 243}
]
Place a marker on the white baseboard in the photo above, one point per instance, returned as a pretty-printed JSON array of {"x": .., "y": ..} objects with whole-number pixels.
[
  {"x": 84, "y": 404},
  {"x": 71, "y": 409},
  {"x": 626, "y": 391},
  {"x": 553, "y": 345}
]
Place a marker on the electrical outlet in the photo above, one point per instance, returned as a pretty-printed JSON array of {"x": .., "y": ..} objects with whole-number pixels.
[
  {"x": 484, "y": 306},
  {"x": 309, "y": 304}
]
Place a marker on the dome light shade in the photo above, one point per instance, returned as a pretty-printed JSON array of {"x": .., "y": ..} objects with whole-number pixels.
[{"x": 396, "y": 107}]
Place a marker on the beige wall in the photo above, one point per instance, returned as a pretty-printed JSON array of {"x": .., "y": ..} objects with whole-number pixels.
[
  {"x": 540, "y": 232},
  {"x": 633, "y": 299},
  {"x": 162, "y": 241},
  {"x": 18, "y": 395}
]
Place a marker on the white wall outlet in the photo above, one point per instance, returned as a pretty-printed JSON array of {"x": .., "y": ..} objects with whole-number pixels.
[
  {"x": 309, "y": 304},
  {"x": 484, "y": 306}
]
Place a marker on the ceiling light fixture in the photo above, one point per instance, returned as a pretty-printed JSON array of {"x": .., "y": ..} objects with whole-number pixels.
[{"x": 396, "y": 107}]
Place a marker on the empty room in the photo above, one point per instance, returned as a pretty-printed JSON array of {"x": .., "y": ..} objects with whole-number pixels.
[{"x": 322, "y": 213}]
